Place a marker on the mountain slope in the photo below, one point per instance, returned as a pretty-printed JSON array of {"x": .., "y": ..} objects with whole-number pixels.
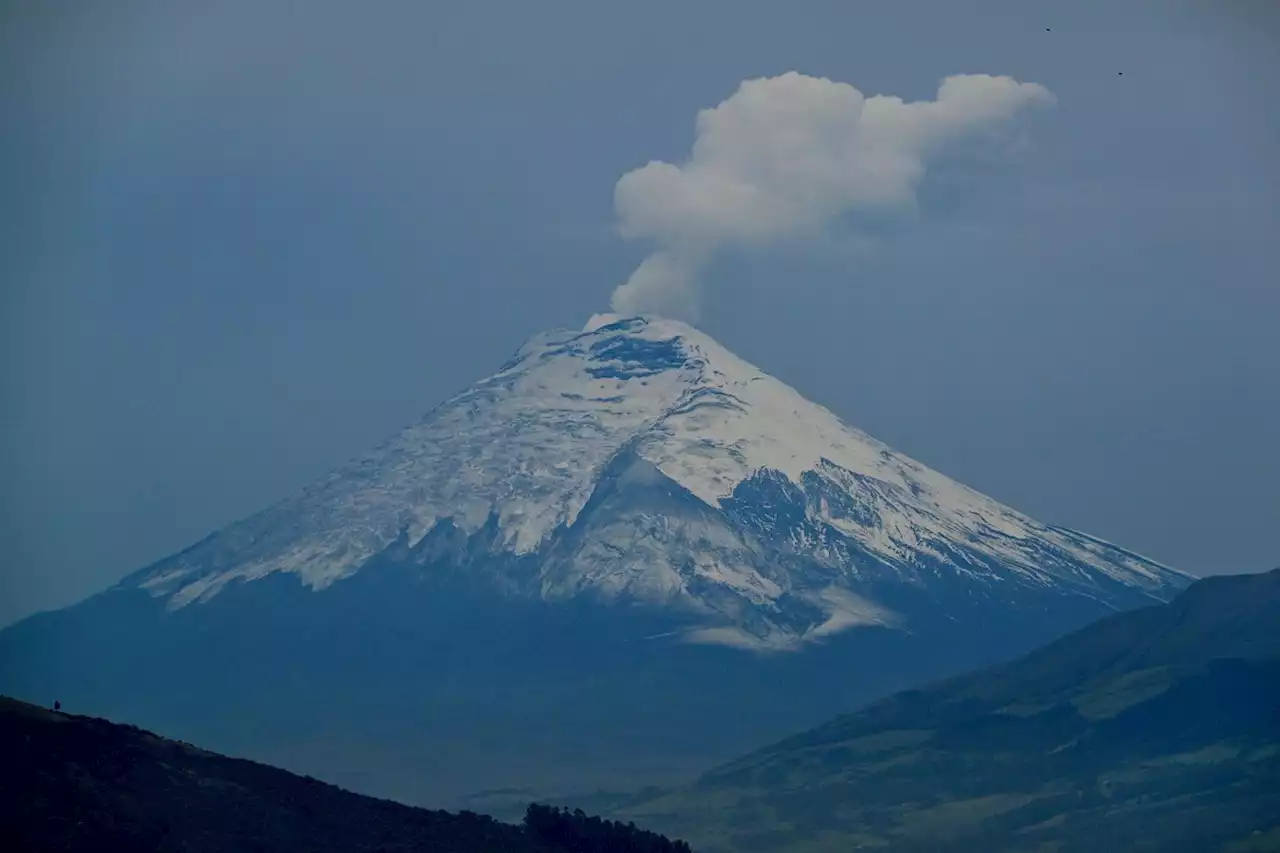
[
  {"x": 73, "y": 783},
  {"x": 581, "y": 545},
  {"x": 1156, "y": 729}
]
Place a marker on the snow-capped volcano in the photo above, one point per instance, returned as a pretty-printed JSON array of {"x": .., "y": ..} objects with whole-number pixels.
[
  {"x": 548, "y": 580},
  {"x": 638, "y": 460}
]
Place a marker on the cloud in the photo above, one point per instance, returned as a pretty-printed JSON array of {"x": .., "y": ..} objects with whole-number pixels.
[{"x": 786, "y": 156}]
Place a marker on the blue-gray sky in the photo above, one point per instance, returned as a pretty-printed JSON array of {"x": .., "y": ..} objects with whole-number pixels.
[{"x": 243, "y": 242}]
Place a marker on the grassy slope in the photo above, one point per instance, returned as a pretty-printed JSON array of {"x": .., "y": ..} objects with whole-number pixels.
[{"x": 1152, "y": 730}]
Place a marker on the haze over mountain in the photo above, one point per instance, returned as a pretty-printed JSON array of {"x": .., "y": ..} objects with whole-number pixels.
[
  {"x": 1157, "y": 729},
  {"x": 620, "y": 540}
]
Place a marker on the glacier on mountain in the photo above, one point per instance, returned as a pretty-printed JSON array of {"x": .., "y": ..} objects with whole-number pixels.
[{"x": 639, "y": 460}]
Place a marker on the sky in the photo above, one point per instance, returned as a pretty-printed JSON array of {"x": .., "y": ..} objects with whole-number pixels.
[{"x": 241, "y": 243}]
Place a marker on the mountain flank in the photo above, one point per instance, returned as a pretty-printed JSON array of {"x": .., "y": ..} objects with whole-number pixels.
[{"x": 1157, "y": 729}]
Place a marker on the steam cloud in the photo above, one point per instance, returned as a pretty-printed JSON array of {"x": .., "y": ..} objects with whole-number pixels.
[{"x": 783, "y": 157}]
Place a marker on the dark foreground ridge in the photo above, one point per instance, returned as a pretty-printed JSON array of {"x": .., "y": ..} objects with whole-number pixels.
[
  {"x": 71, "y": 784},
  {"x": 1153, "y": 730}
]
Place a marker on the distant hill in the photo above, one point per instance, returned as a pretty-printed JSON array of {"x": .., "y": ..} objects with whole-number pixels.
[
  {"x": 1157, "y": 729},
  {"x": 71, "y": 784}
]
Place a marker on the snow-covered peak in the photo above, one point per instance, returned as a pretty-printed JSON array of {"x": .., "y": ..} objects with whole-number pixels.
[
  {"x": 703, "y": 416},
  {"x": 521, "y": 453}
]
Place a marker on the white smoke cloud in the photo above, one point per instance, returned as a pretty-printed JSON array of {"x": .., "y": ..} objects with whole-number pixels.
[{"x": 785, "y": 156}]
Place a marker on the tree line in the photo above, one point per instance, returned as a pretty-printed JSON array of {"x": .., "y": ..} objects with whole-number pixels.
[{"x": 581, "y": 833}]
